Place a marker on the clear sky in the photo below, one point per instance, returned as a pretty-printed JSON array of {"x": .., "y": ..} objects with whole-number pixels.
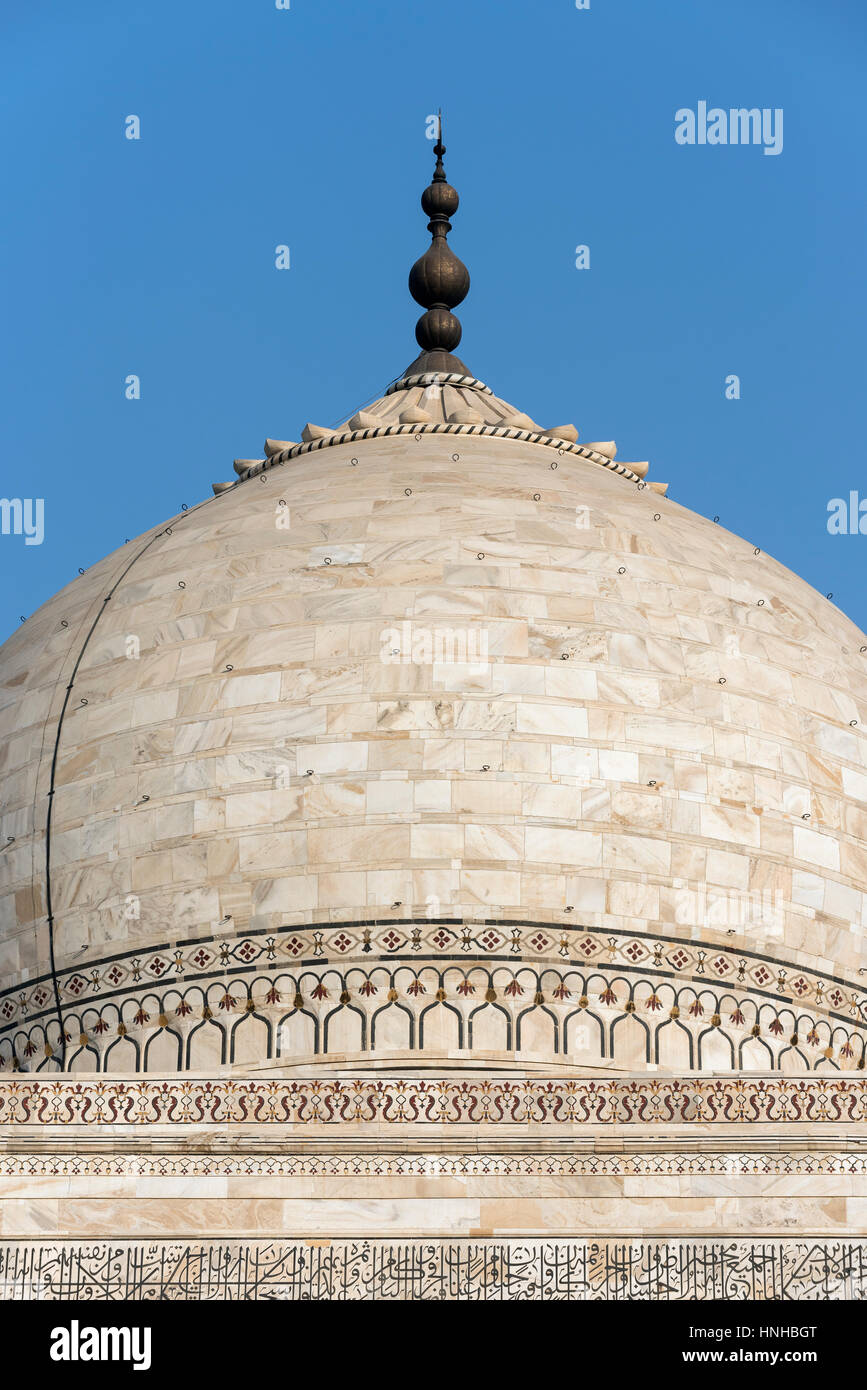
[{"x": 306, "y": 127}]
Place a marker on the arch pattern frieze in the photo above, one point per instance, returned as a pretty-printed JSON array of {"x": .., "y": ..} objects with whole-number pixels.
[{"x": 583, "y": 1015}]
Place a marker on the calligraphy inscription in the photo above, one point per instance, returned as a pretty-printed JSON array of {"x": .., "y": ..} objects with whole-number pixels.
[{"x": 456, "y": 1270}]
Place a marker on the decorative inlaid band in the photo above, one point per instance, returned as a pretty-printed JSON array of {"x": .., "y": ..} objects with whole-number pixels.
[
  {"x": 455, "y": 1270},
  {"x": 413, "y": 941},
  {"x": 380, "y": 1164},
  {"x": 500, "y": 431},
  {"x": 635, "y": 1101}
]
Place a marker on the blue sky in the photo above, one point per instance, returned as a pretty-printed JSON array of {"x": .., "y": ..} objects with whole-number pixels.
[{"x": 306, "y": 127}]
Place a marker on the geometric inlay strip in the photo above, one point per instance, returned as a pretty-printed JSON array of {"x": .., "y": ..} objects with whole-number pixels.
[{"x": 379, "y": 1164}]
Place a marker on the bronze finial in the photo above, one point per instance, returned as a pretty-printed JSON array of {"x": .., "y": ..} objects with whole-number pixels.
[{"x": 438, "y": 280}]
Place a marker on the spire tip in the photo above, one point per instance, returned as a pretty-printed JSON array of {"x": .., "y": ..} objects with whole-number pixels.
[{"x": 438, "y": 280}]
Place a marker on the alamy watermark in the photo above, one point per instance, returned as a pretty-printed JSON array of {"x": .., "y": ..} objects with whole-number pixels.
[
  {"x": 23, "y": 516},
  {"x": 25, "y": 1290},
  {"x": 77, "y": 1343},
  {"x": 736, "y": 126},
  {"x": 410, "y": 645},
  {"x": 732, "y": 909},
  {"x": 847, "y": 517}
]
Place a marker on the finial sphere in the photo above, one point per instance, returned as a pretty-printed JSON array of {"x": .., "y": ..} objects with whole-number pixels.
[
  {"x": 440, "y": 200},
  {"x": 438, "y": 277},
  {"x": 438, "y": 329}
]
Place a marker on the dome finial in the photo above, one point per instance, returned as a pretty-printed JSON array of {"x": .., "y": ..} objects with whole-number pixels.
[
  {"x": 439, "y": 150},
  {"x": 438, "y": 280}
]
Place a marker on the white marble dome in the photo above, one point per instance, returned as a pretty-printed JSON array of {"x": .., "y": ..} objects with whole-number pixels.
[{"x": 439, "y": 744}]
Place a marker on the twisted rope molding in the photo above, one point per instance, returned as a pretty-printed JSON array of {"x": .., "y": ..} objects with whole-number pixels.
[
  {"x": 499, "y": 431},
  {"x": 634, "y": 1101},
  {"x": 467, "y": 383}
]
